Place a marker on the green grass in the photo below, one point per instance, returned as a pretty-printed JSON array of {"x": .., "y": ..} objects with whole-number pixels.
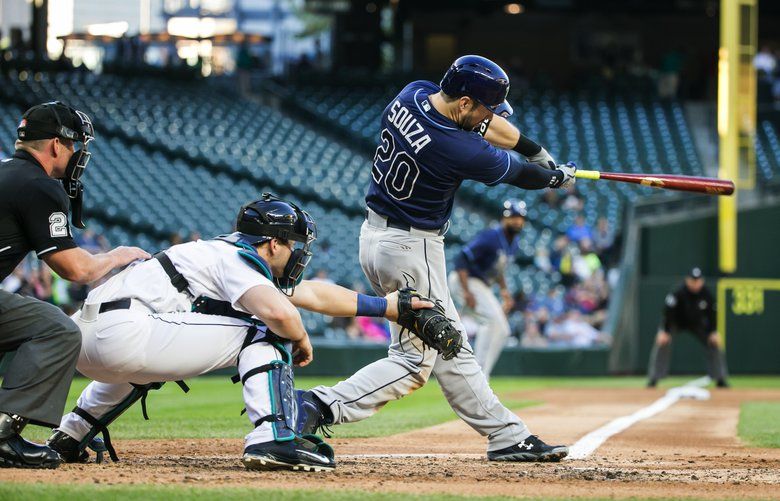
[
  {"x": 45, "y": 492},
  {"x": 211, "y": 409},
  {"x": 759, "y": 424}
]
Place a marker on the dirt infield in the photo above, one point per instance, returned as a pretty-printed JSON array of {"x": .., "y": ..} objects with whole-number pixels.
[{"x": 690, "y": 450}]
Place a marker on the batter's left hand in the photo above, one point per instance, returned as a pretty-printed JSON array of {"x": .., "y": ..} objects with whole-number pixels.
[
  {"x": 567, "y": 180},
  {"x": 392, "y": 305},
  {"x": 303, "y": 352}
]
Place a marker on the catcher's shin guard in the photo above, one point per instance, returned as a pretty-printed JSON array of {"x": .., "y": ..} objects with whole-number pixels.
[
  {"x": 73, "y": 450},
  {"x": 281, "y": 389}
]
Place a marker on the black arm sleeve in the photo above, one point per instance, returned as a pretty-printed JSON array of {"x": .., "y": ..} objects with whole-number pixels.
[{"x": 532, "y": 176}]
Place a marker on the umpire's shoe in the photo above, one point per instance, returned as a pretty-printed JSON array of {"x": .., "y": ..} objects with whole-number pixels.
[
  {"x": 16, "y": 452},
  {"x": 530, "y": 449},
  {"x": 313, "y": 415},
  {"x": 309, "y": 453}
]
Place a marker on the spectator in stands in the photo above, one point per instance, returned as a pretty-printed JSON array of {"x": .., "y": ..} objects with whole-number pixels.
[
  {"x": 669, "y": 78},
  {"x": 91, "y": 242},
  {"x": 322, "y": 276},
  {"x": 603, "y": 239},
  {"x": 579, "y": 230},
  {"x": 194, "y": 236},
  {"x": 765, "y": 62},
  {"x": 550, "y": 197},
  {"x": 585, "y": 263},
  {"x": 572, "y": 331},
  {"x": 572, "y": 200}
]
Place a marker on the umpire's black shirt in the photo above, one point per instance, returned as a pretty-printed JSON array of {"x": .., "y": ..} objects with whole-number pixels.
[
  {"x": 33, "y": 212},
  {"x": 689, "y": 311}
]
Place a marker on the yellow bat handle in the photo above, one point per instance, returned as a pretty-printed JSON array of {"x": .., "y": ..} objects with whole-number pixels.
[{"x": 587, "y": 174}]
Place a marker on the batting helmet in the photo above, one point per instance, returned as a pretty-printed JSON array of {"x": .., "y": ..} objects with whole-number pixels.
[
  {"x": 513, "y": 208},
  {"x": 482, "y": 80}
]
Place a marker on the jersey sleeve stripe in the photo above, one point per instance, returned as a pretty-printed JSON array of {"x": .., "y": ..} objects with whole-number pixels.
[
  {"x": 5, "y": 248},
  {"x": 44, "y": 251},
  {"x": 502, "y": 176}
]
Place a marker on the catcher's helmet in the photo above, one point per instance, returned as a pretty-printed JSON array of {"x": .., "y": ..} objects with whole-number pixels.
[
  {"x": 513, "y": 208},
  {"x": 482, "y": 80},
  {"x": 271, "y": 217}
]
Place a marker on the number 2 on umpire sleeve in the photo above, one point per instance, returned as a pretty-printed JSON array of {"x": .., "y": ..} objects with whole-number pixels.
[
  {"x": 58, "y": 225},
  {"x": 397, "y": 171}
]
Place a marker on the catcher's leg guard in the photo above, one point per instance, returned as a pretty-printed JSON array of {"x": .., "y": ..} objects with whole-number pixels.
[
  {"x": 281, "y": 389},
  {"x": 73, "y": 450}
]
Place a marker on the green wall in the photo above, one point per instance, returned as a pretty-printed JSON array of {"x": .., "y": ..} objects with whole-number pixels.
[{"x": 669, "y": 250}]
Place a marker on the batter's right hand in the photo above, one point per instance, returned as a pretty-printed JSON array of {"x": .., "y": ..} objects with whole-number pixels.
[{"x": 126, "y": 255}]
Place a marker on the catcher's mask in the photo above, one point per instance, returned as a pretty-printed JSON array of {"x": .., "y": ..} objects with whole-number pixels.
[
  {"x": 55, "y": 119},
  {"x": 271, "y": 217}
]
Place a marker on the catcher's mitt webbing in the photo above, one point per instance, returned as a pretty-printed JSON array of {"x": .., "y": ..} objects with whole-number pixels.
[{"x": 431, "y": 325}]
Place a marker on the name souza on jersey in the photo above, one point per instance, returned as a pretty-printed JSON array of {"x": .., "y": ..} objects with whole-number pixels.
[{"x": 408, "y": 126}]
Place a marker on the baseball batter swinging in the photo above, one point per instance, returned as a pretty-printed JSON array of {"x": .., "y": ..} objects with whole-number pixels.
[
  {"x": 428, "y": 147},
  {"x": 139, "y": 330}
]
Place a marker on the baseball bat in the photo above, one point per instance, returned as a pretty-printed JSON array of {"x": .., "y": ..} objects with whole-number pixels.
[{"x": 708, "y": 185}]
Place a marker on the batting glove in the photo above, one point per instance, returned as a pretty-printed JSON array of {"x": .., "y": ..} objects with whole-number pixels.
[
  {"x": 564, "y": 177},
  {"x": 544, "y": 159}
]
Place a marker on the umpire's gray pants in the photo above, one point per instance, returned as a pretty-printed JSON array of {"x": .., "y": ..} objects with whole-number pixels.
[
  {"x": 392, "y": 259},
  {"x": 47, "y": 343},
  {"x": 661, "y": 357}
]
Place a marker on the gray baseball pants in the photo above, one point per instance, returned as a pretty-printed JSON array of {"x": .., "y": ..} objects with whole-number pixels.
[
  {"x": 47, "y": 343},
  {"x": 391, "y": 259},
  {"x": 661, "y": 356}
]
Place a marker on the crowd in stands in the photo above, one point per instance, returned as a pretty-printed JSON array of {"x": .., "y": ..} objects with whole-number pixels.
[
  {"x": 571, "y": 313},
  {"x": 768, "y": 73}
]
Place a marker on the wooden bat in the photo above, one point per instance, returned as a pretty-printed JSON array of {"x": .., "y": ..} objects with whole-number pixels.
[{"x": 708, "y": 185}]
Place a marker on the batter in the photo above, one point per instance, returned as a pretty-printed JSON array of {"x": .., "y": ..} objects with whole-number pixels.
[{"x": 429, "y": 146}]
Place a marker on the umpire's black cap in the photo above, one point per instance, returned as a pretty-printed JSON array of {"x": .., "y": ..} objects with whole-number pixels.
[
  {"x": 695, "y": 273},
  {"x": 55, "y": 119}
]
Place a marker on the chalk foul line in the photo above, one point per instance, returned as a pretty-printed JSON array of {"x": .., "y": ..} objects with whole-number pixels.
[{"x": 585, "y": 446}]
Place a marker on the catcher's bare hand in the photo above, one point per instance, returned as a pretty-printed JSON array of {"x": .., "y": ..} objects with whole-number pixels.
[
  {"x": 392, "y": 305},
  {"x": 303, "y": 353}
]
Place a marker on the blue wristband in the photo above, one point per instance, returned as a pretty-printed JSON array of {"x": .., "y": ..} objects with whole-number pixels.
[{"x": 370, "y": 306}]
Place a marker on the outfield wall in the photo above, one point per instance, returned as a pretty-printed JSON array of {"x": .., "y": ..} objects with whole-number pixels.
[{"x": 668, "y": 247}]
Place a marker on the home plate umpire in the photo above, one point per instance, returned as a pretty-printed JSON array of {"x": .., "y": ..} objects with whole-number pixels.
[{"x": 36, "y": 188}]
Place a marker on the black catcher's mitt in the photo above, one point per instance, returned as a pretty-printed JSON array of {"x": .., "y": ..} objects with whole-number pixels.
[{"x": 431, "y": 325}]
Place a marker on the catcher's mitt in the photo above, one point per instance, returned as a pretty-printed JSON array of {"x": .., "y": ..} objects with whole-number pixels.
[{"x": 431, "y": 325}]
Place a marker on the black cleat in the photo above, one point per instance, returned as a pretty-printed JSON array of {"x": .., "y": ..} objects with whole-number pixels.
[
  {"x": 309, "y": 453},
  {"x": 652, "y": 383},
  {"x": 67, "y": 447},
  {"x": 16, "y": 452},
  {"x": 530, "y": 449},
  {"x": 722, "y": 383},
  {"x": 313, "y": 416}
]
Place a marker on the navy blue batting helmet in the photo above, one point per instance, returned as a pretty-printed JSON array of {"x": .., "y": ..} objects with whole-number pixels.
[
  {"x": 513, "y": 208},
  {"x": 482, "y": 80}
]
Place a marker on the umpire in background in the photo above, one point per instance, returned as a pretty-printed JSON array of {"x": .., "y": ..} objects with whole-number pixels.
[
  {"x": 690, "y": 308},
  {"x": 36, "y": 188}
]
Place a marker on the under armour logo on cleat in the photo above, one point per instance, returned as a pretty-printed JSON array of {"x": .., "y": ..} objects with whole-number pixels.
[{"x": 527, "y": 446}]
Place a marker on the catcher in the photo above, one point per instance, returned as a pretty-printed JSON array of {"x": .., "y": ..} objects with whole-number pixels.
[{"x": 145, "y": 326}]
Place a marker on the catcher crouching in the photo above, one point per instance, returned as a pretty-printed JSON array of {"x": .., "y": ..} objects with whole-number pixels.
[{"x": 207, "y": 305}]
